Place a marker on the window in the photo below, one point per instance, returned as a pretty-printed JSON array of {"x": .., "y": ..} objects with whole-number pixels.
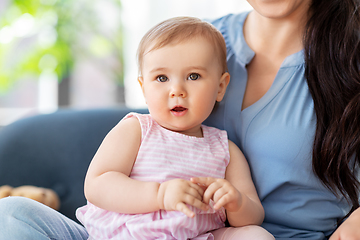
[{"x": 107, "y": 33}]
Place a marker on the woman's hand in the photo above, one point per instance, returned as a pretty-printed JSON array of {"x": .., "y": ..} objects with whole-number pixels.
[
  {"x": 176, "y": 193},
  {"x": 349, "y": 229},
  {"x": 221, "y": 191}
]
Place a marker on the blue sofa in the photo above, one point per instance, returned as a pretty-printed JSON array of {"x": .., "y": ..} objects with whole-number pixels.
[{"x": 54, "y": 151}]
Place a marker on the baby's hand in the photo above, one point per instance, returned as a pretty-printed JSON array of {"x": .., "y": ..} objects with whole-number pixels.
[
  {"x": 221, "y": 191},
  {"x": 176, "y": 193}
]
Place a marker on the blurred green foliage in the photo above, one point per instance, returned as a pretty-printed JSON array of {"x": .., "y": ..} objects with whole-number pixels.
[{"x": 46, "y": 35}]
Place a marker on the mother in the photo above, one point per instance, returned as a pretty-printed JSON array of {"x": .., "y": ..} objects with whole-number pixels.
[{"x": 293, "y": 107}]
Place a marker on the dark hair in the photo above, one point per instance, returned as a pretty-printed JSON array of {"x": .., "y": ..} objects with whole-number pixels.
[{"x": 332, "y": 57}]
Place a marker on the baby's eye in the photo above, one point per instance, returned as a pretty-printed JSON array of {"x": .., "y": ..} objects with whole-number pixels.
[
  {"x": 162, "y": 78},
  {"x": 194, "y": 76}
]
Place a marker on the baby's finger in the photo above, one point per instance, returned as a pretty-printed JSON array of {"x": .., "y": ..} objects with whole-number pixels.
[
  {"x": 203, "y": 181},
  {"x": 193, "y": 193},
  {"x": 221, "y": 202},
  {"x": 214, "y": 191},
  {"x": 198, "y": 189},
  {"x": 181, "y": 207},
  {"x": 195, "y": 203},
  {"x": 229, "y": 199}
]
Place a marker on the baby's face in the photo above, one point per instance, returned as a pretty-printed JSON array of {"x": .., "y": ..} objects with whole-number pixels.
[{"x": 181, "y": 83}]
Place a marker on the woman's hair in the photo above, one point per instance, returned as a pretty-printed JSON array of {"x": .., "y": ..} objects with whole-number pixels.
[
  {"x": 332, "y": 57},
  {"x": 179, "y": 29}
]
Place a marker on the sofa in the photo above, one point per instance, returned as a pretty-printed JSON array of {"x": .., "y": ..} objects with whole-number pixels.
[{"x": 54, "y": 151}]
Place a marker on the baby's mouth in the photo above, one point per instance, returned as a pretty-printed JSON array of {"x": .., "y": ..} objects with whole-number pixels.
[{"x": 178, "y": 109}]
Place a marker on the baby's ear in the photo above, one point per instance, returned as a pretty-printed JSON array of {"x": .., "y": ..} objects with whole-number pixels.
[
  {"x": 141, "y": 81},
  {"x": 224, "y": 82}
]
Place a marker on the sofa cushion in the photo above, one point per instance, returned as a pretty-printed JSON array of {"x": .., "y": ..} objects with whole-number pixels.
[{"x": 54, "y": 151}]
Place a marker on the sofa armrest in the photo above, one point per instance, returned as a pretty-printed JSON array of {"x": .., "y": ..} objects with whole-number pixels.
[{"x": 54, "y": 151}]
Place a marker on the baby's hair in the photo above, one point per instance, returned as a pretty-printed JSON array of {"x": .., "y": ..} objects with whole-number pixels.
[{"x": 178, "y": 29}]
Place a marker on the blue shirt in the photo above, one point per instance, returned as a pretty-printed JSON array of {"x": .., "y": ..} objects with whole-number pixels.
[{"x": 276, "y": 134}]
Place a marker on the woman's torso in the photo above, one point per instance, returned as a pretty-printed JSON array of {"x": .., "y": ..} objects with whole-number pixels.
[{"x": 276, "y": 135}]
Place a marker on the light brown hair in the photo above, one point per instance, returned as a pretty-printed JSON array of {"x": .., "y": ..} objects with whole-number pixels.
[{"x": 178, "y": 29}]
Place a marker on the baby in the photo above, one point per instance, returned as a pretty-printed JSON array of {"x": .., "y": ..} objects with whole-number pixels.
[{"x": 165, "y": 175}]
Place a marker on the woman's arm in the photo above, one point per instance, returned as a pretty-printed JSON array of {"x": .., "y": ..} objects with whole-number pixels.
[
  {"x": 236, "y": 193},
  {"x": 349, "y": 229}
]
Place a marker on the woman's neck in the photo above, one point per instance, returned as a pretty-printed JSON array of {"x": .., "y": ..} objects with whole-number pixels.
[{"x": 278, "y": 38}]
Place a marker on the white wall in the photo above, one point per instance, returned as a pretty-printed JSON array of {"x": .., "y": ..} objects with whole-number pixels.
[{"x": 139, "y": 16}]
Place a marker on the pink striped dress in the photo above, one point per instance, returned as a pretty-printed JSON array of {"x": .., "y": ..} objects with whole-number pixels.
[{"x": 165, "y": 155}]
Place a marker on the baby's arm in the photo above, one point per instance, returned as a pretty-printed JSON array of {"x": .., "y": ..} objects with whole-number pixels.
[
  {"x": 236, "y": 192},
  {"x": 250, "y": 210},
  {"x": 108, "y": 186}
]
